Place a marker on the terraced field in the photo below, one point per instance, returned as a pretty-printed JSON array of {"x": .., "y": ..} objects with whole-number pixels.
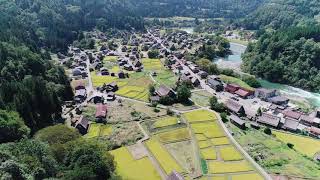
[
  {"x": 152, "y": 64},
  {"x": 166, "y": 121},
  {"x": 175, "y": 135}
]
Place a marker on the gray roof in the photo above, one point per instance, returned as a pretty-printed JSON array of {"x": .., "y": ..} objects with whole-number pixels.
[
  {"x": 237, "y": 120},
  {"x": 163, "y": 90},
  {"x": 291, "y": 124},
  {"x": 233, "y": 105},
  {"x": 269, "y": 119}
]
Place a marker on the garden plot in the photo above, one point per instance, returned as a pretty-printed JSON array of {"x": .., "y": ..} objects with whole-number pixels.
[
  {"x": 125, "y": 134},
  {"x": 165, "y": 122},
  {"x": 199, "y": 116},
  {"x": 129, "y": 168},
  {"x": 229, "y": 153},
  {"x": 166, "y": 161},
  {"x": 219, "y": 167},
  {"x": 175, "y": 135}
]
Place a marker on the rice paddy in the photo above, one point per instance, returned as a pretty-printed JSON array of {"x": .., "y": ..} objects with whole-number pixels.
[
  {"x": 167, "y": 162},
  {"x": 210, "y": 129},
  {"x": 199, "y": 116},
  {"x": 175, "y": 135},
  {"x": 217, "y": 167},
  {"x": 152, "y": 64},
  {"x": 304, "y": 145},
  {"x": 166, "y": 121},
  {"x": 208, "y": 153},
  {"x": 220, "y": 141},
  {"x": 129, "y": 168},
  {"x": 229, "y": 153},
  {"x": 97, "y": 130},
  {"x": 253, "y": 176}
]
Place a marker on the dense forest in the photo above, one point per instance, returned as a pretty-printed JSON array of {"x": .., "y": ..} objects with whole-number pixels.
[
  {"x": 33, "y": 87},
  {"x": 196, "y": 8},
  {"x": 278, "y": 14},
  {"x": 289, "y": 56}
]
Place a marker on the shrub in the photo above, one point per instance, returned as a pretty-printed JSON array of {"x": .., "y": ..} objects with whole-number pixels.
[
  {"x": 267, "y": 131},
  {"x": 290, "y": 145},
  {"x": 224, "y": 117}
]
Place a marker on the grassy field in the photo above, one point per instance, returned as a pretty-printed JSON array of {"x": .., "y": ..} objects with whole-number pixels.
[
  {"x": 216, "y": 167},
  {"x": 152, "y": 64},
  {"x": 208, "y": 153},
  {"x": 199, "y": 115},
  {"x": 305, "y": 145},
  {"x": 201, "y": 98},
  {"x": 129, "y": 168},
  {"x": 175, "y": 135},
  {"x": 97, "y": 130},
  {"x": 274, "y": 155},
  {"x": 220, "y": 141},
  {"x": 110, "y": 58},
  {"x": 166, "y": 121},
  {"x": 164, "y": 158},
  {"x": 253, "y": 176},
  {"x": 209, "y": 129},
  {"x": 233, "y": 80},
  {"x": 229, "y": 153},
  {"x": 166, "y": 77}
]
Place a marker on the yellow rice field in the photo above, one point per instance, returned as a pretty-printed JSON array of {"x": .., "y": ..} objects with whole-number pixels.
[
  {"x": 208, "y": 153},
  {"x": 220, "y": 141},
  {"x": 129, "y": 168},
  {"x": 216, "y": 167},
  {"x": 304, "y": 145},
  {"x": 200, "y": 137},
  {"x": 167, "y": 162},
  {"x": 209, "y": 129},
  {"x": 229, "y": 153},
  {"x": 175, "y": 135},
  {"x": 204, "y": 144},
  {"x": 253, "y": 176},
  {"x": 199, "y": 115},
  {"x": 96, "y": 130},
  {"x": 152, "y": 64},
  {"x": 166, "y": 121}
]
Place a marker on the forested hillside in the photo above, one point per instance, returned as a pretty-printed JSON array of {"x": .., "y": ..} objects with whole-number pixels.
[
  {"x": 196, "y": 8},
  {"x": 283, "y": 13},
  {"x": 289, "y": 56}
]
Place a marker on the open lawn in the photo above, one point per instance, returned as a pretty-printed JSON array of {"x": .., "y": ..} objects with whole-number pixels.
[
  {"x": 305, "y": 145},
  {"x": 229, "y": 153},
  {"x": 216, "y": 167},
  {"x": 175, "y": 135},
  {"x": 253, "y": 176},
  {"x": 208, "y": 153},
  {"x": 152, "y": 64},
  {"x": 129, "y": 168},
  {"x": 199, "y": 115},
  {"x": 233, "y": 80},
  {"x": 201, "y": 98},
  {"x": 209, "y": 129},
  {"x": 167, "y": 162},
  {"x": 166, "y": 121},
  {"x": 220, "y": 141}
]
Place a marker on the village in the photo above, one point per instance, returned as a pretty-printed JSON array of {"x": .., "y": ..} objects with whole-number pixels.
[{"x": 113, "y": 99}]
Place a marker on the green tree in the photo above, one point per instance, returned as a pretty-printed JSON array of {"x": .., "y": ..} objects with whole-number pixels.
[
  {"x": 183, "y": 94},
  {"x": 153, "y": 54},
  {"x": 12, "y": 127},
  {"x": 215, "y": 105}
]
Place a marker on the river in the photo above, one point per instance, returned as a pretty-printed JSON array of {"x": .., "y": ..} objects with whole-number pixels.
[
  {"x": 292, "y": 93},
  {"x": 234, "y": 61}
]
